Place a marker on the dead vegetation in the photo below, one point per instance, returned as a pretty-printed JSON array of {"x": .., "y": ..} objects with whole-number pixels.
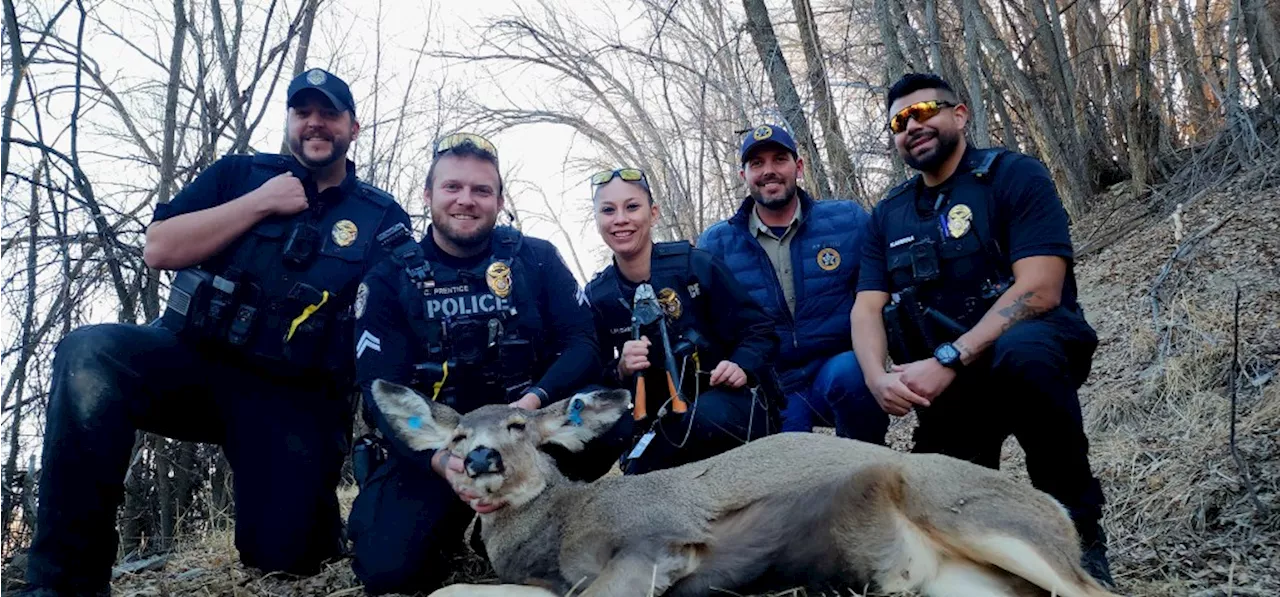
[{"x": 1158, "y": 407}]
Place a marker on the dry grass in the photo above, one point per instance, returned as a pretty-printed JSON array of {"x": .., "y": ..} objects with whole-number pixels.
[{"x": 1156, "y": 406}]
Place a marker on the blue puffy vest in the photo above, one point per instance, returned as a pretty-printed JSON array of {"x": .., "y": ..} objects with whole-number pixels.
[{"x": 825, "y": 254}]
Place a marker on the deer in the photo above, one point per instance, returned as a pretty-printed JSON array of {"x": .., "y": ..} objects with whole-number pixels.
[{"x": 781, "y": 511}]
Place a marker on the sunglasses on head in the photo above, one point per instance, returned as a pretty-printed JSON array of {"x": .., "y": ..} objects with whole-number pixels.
[
  {"x": 920, "y": 111},
  {"x": 628, "y": 174},
  {"x": 459, "y": 139}
]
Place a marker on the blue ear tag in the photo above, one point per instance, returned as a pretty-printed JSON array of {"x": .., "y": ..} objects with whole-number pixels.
[
  {"x": 415, "y": 422},
  {"x": 575, "y": 411}
]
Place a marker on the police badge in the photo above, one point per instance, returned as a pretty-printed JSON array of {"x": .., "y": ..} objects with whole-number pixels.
[
  {"x": 316, "y": 77},
  {"x": 958, "y": 220},
  {"x": 828, "y": 259},
  {"x": 344, "y": 233},
  {"x": 761, "y": 133},
  {"x": 670, "y": 302},
  {"x": 499, "y": 278}
]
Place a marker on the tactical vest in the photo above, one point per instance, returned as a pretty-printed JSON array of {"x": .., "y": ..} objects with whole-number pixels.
[
  {"x": 281, "y": 293},
  {"x": 678, "y": 290},
  {"x": 950, "y": 258},
  {"x": 477, "y": 327}
]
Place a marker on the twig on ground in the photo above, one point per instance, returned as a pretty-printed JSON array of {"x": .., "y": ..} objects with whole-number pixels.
[
  {"x": 1235, "y": 374},
  {"x": 1179, "y": 252}
]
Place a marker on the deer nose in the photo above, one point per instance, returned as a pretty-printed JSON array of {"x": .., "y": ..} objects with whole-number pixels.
[{"x": 483, "y": 460}]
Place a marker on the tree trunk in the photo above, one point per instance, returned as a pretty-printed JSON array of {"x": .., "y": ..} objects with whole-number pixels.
[
  {"x": 1047, "y": 34},
  {"x": 1072, "y": 186},
  {"x": 935, "y": 35},
  {"x": 784, "y": 91},
  {"x": 1264, "y": 43},
  {"x": 973, "y": 57},
  {"x": 895, "y": 62},
  {"x": 1195, "y": 88},
  {"x": 18, "y": 63},
  {"x": 168, "y": 149},
  {"x": 844, "y": 177},
  {"x": 1142, "y": 131},
  {"x": 228, "y": 52}
]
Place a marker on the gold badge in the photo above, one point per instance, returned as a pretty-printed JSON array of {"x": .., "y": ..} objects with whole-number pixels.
[
  {"x": 345, "y": 232},
  {"x": 762, "y": 132},
  {"x": 828, "y": 259},
  {"x": 670, "y": 302},
  {"x": 499, "y": 278},
  {"x": 958, "y": 220}
]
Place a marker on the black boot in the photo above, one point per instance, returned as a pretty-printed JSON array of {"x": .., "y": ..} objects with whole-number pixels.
[{"x": 1093, "y": 544}]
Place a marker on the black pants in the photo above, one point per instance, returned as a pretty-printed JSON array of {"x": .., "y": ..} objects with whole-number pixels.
[
  {"x": 407, "y": 522},
  {"x": 285, "y": 442},
  {"x": 1025, "y": 386},
  {"x": 718, "y": 421}
]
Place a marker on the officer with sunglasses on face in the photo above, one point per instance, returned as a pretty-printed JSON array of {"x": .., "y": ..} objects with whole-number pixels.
[
  {"x": 967, "y": 284},
  {"x": 707, "y": 328},
  {"x": 473, "y": 314}
]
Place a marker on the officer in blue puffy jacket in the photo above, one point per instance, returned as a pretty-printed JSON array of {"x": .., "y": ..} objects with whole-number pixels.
[
  {"x": 798, "y": 258},
  {"x": 252, "y": 353}
]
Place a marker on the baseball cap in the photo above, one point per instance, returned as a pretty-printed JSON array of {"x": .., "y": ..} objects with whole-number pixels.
[
  {"x": 327, "y": 83},
  {"x": 767, "y": 133}
]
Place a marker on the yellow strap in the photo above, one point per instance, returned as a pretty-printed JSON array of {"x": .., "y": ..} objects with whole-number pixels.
[
  {"x": 435, "y": 387},
  {"x": 297, "y": 321}
]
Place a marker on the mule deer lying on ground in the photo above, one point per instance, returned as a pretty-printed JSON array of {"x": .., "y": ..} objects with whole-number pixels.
[{"x": 786, "y": 510}]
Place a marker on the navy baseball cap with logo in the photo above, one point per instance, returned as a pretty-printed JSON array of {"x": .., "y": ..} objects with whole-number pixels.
[
  {"x": 765, "y": 134},
  {"x": 325, "y": 82}
]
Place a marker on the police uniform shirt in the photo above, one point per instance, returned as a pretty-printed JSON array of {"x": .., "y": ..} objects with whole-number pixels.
[
  {"x": 388, "y": 348},
  {"x": 1029, "y": 220},
  {"x": 346, "y": 250},
  {"x": 776, "y": 242},
  {"x": 724, "y": 314}
]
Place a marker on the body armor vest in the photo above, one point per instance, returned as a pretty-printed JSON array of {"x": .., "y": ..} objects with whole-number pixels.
[
  {"x": 274, "y": 294},
  {"x": 476, "y": 326}
]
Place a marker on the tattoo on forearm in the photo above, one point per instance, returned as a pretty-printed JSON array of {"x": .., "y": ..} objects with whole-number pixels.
[{"x": 1019, "y": 310}]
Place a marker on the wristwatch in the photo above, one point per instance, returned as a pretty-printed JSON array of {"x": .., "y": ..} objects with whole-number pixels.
[{"x": 948, "y": 355}]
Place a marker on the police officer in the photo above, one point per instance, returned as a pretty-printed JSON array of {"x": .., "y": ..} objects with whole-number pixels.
[
  {"x": 720, "y": 341},
  {"x": 797, "y": 257},
  {"x": 473, "y": 314},
  {"x": 969, "y": 267},
  {"x": 252, "y": 353}
]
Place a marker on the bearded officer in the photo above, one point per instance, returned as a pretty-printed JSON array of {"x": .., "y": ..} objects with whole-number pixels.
[
  {"x": 473, "y": 314},
  {"x": 252, "y": 353},
  {"x": 967, "y": 282}
]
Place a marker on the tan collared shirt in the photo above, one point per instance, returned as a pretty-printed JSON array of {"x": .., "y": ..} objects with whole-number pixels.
[{"x": 779, "y": 250}]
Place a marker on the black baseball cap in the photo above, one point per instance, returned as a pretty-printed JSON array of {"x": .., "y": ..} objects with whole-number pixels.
[
  {"x": 764, "y": 134},
  {"x": 325, "y": 82}
]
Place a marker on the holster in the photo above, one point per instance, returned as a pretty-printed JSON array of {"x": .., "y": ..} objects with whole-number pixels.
[{"x": 366, "y": 456}]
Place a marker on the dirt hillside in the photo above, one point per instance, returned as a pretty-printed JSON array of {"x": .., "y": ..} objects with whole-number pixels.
[{"x": 1181, "y": 516}]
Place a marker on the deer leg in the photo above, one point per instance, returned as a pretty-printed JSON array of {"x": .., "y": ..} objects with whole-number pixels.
[
  {"x": 462, "y": 590},
  {"x": 642, "y": 573}
]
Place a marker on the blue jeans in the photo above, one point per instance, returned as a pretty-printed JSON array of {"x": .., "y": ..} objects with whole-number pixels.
[{"x": 837, "y": 397}]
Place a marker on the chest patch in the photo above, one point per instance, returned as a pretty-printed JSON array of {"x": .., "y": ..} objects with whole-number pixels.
[{"x": 828, "y": 259}]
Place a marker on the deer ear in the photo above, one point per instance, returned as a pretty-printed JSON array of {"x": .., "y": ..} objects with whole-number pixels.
[
  {"x": 575, "y": 421},
  {"x": 416, "y": 421}
]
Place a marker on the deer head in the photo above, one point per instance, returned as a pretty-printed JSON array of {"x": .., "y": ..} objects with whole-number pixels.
[{"x": 498, "y": 443}]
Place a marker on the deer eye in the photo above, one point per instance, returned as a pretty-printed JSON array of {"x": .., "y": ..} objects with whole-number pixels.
[
  {"x": 516, "y": 426},
  {"x": 457, "y": 439}
]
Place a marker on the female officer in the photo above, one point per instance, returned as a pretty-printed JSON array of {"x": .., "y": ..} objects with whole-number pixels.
[{"x": 693, "y": 328}]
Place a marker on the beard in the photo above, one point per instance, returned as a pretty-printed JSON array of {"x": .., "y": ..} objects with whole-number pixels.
[
  {"x": 930, "y": 160},
  {"x": 340, "y": 146},
  {"x": 775, "y": 203},
  {"x": 467, "y": 240}
]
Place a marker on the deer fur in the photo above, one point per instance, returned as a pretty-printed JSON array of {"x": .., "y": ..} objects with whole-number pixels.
[{"x": 783, "y": 511}]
